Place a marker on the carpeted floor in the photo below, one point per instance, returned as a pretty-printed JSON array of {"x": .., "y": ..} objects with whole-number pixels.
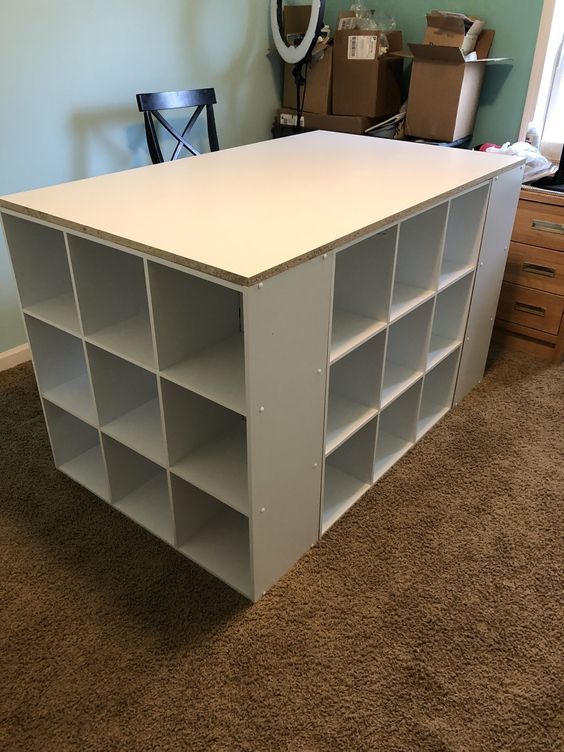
[{"x": 429, "y": 618}]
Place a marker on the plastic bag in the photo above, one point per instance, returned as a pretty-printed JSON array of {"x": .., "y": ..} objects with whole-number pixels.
[{"x": 536, "y": 165}]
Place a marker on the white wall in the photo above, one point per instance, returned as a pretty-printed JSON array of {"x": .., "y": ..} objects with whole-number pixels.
[{"x": 70, "y": 72}]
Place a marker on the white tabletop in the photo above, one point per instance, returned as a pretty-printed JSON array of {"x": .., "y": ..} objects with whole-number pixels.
[{"x": 244, "y": 214}]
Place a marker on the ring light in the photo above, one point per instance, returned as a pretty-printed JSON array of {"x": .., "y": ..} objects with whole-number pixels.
[{"x": 295, "y": 55}]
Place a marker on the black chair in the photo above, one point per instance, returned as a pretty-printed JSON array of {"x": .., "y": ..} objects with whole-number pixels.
[{"x": 150, "y": 104}]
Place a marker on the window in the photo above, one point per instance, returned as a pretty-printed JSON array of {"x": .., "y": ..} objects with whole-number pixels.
[{"x": 545, "y": 100}]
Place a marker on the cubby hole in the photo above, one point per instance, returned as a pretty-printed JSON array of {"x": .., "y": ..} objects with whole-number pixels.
[
  {"x": 348, "y": 474},
  {"x": 406, "y": 351},
  {"x": 139, "y": 489},
  {"x": 438, "y": 391},
  {"x": 128, "y": 404},
  {"x": 418, "y": 259},
  {"x": 213, "y": 535},
  {"x": 77, "y": 450},
  {"x": 198, "y": 335},
  {"x": 40, "y": 262},
  {"x": 61, "y": 370},
  {"x": 464, "y": 235},
  {"x": 112, "y": 297},
  {"x": 361, "y": 298},
  {"x": 449, "y": 320},
  {"x": 396, "y": 430},
  {"x": 354, "y": 391},
  {"x": 207, "y": 445}
]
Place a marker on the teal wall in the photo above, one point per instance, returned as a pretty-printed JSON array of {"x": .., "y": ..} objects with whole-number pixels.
[
  {"x": 516, "y": 23},
  {"x": 70, "y": 72}
]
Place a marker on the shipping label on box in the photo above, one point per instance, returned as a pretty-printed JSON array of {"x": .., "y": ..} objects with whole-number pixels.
[{"x": 363, "y": 48}]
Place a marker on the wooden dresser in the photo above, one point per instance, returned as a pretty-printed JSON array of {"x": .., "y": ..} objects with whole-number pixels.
[{"x": 531, "y": 306}]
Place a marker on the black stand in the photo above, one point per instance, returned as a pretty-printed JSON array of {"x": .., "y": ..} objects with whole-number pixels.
[{"x": 553, "y": 182}]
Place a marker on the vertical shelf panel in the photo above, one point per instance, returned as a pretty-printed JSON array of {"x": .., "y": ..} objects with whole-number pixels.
[
  {"x": 139, "y": 489},
  {"x": 406, "y": 352},
  {"x": 213, "y": 535},
  {"x": 77, "y": 451},
  {"x": 418, "y": 259},
  {"x": 112, "y": 297},
  {"x": 464, "y": 234},
  {"x": 354, "y": 391},
  {"x": 207, "y": 358},
  {"x": 207, "y": 445},
  {"x": 449, "y": 320},
  {"x": 39, "y": 258},
  {"x": 396, "y": 430},
  {"x": 128, "y": 403},
  {"x": 348, "y": 474},
  {"x": 361, "y": 298},
  {"x": 61, "y": 370},
  {"x": 438, "y": 391}
]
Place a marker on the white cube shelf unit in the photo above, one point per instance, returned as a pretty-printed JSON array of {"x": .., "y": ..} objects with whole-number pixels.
[{"x": 234, "y": 389}]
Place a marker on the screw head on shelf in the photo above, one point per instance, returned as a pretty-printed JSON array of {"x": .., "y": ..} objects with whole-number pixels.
[
  {"x": 315, "y": 464},
  {"x": 261, "y": 409},
  {"x": 260, "y": 285},
  {"x": 467, "y": 339},
  {"x": 481, "y": 263},
  {"x": 262, "y": 510},
  {"x": 324, "y": 257},
  {"x": 319, "y": 371}
]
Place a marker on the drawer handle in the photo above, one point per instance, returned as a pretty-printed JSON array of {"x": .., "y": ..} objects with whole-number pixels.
[
  {"x": 544, "y": 226},
  {"x": 542, "y": 271},
  {"x": 535, "y": 310}
]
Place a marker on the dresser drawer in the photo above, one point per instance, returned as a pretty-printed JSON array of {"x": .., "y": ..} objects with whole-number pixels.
[
  {"x": 535, "y": 267},
  {"x": 532, "y": 308},
  {"x": 539, "y": 224}
]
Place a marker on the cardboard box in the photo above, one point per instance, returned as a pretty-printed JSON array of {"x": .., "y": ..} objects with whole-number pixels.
[
  {"x": 314, "y": 121},
  {"x": 319, "y": 71},
  {"x": 445, "y": 88},
  {"x": 453, "y": 30},
  {"x": 364, "y": 84}
]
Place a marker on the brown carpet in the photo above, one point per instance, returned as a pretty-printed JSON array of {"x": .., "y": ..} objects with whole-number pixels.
[{"x": 429, "y": 618}]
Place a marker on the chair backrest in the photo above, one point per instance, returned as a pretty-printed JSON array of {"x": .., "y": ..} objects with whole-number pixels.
[{"x": 151, "y": 104}]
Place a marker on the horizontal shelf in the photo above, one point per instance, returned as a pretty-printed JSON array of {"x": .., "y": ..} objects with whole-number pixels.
[
  {"x": 430, "y": 414},
  {"x": 220, "y": 469},
  {"x": 396, "y": 380},
  {"x": 149, "y": 506},
  {"x": 217, "y": 373},
  {"x": 59, "y": 311},
  {"x": 439, "y": 349},
  {"x": 389, "y": 450},
  {"x": 75, "y": 396},
  {"x": 351, "y": 330},
  {"x": 344, "y": 418},
  {"x": 221, "y": 546},
  {"x": 451, "y": 272},
  {"x": 130, "y": 339},
  {"x": 406, "y": 297},
  {"x": 88, "y": 469},
  {"x": 141, "y": 430},
  {"x": 341, "y": 492}
]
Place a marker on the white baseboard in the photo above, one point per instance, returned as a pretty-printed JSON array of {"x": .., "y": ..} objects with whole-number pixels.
[{"x": 14, "y": 357}]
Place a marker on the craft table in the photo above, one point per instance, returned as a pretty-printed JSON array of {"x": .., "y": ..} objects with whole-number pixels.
[{"x": 231, "y": 349}]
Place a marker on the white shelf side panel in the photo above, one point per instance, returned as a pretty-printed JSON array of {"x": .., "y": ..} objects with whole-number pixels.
[
  {"x": 198, "y": 334},
  {"x": 500, "y": 216},
  {"x": 418, "y": 259},
  {"x": 464, "y": 234},
  {"x": 112, "y": 298},
  {"x": 362, "y": 288},
  {"x": 39, "y": 259},
  {"x": 449, "y": 320},
  {"x": 61, "y": 370},
  {"x": 287, "y": 344},
  {"x": 77, "y": 450},
  {"x": 213, "y": 535}
]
